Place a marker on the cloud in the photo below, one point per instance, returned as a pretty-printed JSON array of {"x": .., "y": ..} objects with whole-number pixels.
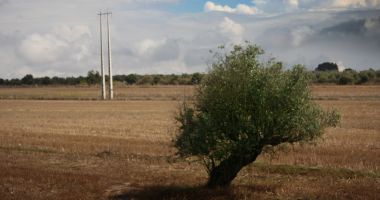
[
  {"x": 361, "y": 27},
  {"x": 232, "y": 29},
  {"x": 372, "y": 3},
  {"x": 355, "y": 27},
  {"x": 38, "y": 48},
  {"x": 210, "y": 6},
  {"x": 158, "y": 50},
  {"x": 240, "y": 8},
  {"x": 275, "y": 38},
  {"x": 291, "y": 5},
  {"x": 9, "y": 39},
  {"x": 208, "y": 39},
  {"x": 259, "y": 2},
  {"x": 340, "y": 66},
  {"x": 72, "y": 34},
  {"x": 373, "y": 27},
  {"x": 2, "y": 2},
  {"x": 5, "y": 59},
  {"x": 149, "y": 44},
  {"x": 285, "y": 38},
  {"x": 46, "y": 41},
  {"x": 244, "y": 9},
  {"x": 195, "y": 57},
  {"x": 300, "y": 34}
]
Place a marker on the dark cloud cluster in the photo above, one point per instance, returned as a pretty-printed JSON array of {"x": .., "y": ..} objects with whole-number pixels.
[
  {"x": 350, "y": 42},
  {"x": 356, "y": 27}
]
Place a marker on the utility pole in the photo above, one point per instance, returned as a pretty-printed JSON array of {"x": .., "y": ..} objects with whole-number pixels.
[
  {"x": 109, "y": 56},
  {"x": 101, "y": 55}
]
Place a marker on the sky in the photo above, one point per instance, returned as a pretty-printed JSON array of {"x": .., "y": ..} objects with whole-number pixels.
[{"x": 62, "y": 38}]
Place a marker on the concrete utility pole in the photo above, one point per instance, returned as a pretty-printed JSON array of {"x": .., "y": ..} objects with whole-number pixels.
[
  {"x": 101, "y": 55},
  {"x": 109, "y": 56}
]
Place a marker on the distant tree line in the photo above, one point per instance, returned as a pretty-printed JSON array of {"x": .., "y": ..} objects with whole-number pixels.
[
  {"x": 328, "y": 72},
  {"x": 94, "y": 77},
  {"x": 30, "y": 80},
  {"x": 348, "y": 76},
  {"x": 325, "y": 73}
]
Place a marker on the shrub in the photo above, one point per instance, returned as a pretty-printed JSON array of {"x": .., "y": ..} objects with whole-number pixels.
[
  {"x": 345, "y": 79},
  {"x": 365, "y": 78},
  {"x": 92, "y": 78},
  {"x": 46, "y": 80},
  {"x": 323, "y": 79},
  {"x": 156, "y": 79},
  {"x": 377, "y": 73},
  {"x": 196, "y": 78},
  {"x": 184, "y": 81},
  {"x": 371, "y": 74},
  {"x": 312, "y": 77},
  {"x": 174, "y": 79},
  {"x": 146, "y": 80},
  {"x": 165, "y": 81},
  {"x": 131, "y": 78}
]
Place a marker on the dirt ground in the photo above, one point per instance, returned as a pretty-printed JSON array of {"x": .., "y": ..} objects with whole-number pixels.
[{"x": 86, "y": 149}]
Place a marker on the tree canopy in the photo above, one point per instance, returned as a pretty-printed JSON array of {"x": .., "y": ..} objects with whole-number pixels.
[
  {"x": 243, "y": 108},
  {"x": 27, "y": 79},
  {"x": 327, "y": 66}
]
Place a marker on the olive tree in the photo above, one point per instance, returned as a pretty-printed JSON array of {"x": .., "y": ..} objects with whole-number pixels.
[{"x": 243, "y": 108}]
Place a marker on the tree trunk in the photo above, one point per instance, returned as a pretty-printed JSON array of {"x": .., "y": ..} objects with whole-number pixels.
[{"x": 223, "y": 174}]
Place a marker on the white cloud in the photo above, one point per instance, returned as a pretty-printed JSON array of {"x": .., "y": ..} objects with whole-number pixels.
[
  {"x": 228, "y": 26},
  {"x": 37, "y": 48},
  {"x": 340, "y": 66},
  {"x": 293, "y": 2},
  {"x": 232, "y": 29},
  {"x": 291, "y": 5},
  {"x": 210, "y": 6},
  {"x": 71, "y": 35},
  {"x": 244, "y": 9},
  {"x": 240, "y": 8}
]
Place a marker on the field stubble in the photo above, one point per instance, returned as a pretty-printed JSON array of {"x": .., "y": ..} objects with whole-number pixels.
[
  {"x": 120, "y": 150},
  {"x": 172, "y": 92},
  {"x": 94, "y": 93}
]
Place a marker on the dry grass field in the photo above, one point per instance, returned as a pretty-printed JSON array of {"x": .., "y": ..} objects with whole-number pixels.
[
  {"x": 170, "y": 92},
  {"x": 353, "y": 92},
  {"x": 70, "y": 149}
]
